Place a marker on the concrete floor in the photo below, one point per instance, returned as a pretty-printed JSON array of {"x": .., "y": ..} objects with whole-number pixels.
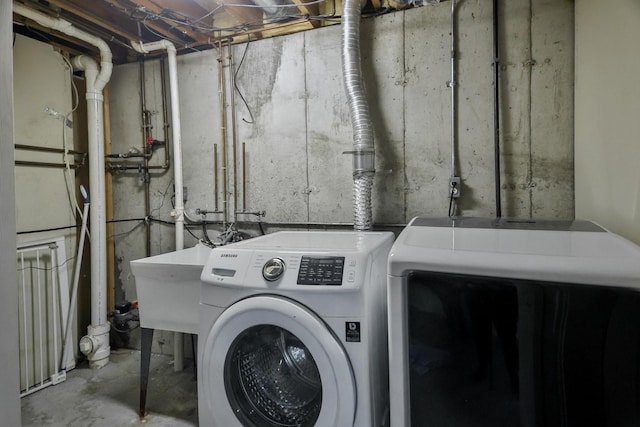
[{"x": 110, "y": 396}]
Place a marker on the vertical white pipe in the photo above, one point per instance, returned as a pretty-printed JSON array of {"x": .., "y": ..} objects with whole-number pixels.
[
  {"x": 178, "y": 342},
  {"x": 55, "y": 298},
  {"x": 96, "y": 79},
  {"x": 98, "y": 352},
  {"x": 177, "y": 145},
  {"x": 40, "y": 337},
  {"x": 176, "y": 130}
]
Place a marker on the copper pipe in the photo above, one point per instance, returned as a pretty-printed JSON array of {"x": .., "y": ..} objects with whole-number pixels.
[
  {"x": 215, "y": 175},
  {"x": 146, "y": 134},
  {"x": 165, "y": 115},
  {"x": 244, "y": 177},
  {"x": 223, "y": 128},
  {"x": 234, "y": 139}
]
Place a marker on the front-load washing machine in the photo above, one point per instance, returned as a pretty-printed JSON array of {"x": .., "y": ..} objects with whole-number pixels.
[{"x": 293, "y": 331}]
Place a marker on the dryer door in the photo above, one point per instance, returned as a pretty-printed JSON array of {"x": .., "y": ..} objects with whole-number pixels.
[{"x": 269, "y": 361}]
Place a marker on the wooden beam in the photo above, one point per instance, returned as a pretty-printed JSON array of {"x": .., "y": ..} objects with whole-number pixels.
[
  {"x": 309, "y": 10},
  {"x": 239, "y": 15},
  {"x": 90, "y": 17},
  {"x": 156, "y": 7}
]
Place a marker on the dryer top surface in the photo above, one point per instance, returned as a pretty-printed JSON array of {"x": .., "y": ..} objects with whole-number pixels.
[{"x": 577, "y": 252}]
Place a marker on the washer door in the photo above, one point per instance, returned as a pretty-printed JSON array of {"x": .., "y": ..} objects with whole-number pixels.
[{"x": 269, "y": 361}]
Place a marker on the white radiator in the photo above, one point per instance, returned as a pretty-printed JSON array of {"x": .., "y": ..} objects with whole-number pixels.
[{"x": 43, "y": 307}]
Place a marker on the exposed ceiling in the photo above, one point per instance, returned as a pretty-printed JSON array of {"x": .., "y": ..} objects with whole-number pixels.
[{"x": 189, "y": 24}]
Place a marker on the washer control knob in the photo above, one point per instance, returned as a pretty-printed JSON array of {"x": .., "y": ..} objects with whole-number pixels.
[{"x": 273, "y": 269}]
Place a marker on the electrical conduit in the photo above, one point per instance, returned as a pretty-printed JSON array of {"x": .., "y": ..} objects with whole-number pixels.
[
  {"x": 363, "y": 148},
  {"x": 177, "y": 160},
  {"x": 96, "y": 344}
]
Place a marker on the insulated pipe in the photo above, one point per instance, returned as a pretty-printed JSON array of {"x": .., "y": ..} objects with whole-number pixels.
[
  {"x": 177, "y": 161},
  {"x": 363, "y": 149},
  {"x": 96, "y": 79}
]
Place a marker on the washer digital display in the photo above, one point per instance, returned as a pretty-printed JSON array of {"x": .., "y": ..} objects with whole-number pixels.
[{"x": 321, "y": 271}]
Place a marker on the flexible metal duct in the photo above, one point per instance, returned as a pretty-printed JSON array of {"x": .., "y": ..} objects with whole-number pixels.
[{"x": 363, "y": 149}]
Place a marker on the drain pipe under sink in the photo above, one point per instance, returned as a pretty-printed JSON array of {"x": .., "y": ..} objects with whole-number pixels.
[
  {"x": 178, "y": 212},
  {"x": 363, "y": 148}
]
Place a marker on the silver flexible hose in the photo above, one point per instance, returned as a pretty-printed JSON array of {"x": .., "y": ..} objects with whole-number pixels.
[
  {"x": 362, "y": 185},
  {"x": 363, "y": 148}
]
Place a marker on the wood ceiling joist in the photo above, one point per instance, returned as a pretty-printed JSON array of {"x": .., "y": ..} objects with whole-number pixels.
[
  {"x": 64, "y": 42},
  {"x": 156, "y": 9},
  {"x": 241, "y": 15},
  {"x": 309, "y": 10},
  {"x": 233, "y": 14},
  {"x": 88, "y": 16},
  {"x": 192, "y": 10},
  {"x": 159, "y": 26}
]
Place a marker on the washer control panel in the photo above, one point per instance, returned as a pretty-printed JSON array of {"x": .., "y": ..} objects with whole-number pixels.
[{"x": 321, "y": 270}]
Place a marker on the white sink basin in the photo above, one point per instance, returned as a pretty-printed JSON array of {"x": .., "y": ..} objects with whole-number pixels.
[{"x": 168, "y": 288}]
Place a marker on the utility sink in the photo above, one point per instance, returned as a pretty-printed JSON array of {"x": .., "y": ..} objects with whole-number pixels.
[{"x": 168, "y": 288}]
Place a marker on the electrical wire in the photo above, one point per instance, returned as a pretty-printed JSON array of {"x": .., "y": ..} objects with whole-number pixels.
[
  {"x": 192, "y": 235},
  {"x": 207, "y": 240},
  {"x": 113, "y": 236},
  {"x": 124, "y": 331},
  {"x": 45, "y": 268},
  {"x": 68, "y": 178},
  {"x": 113, "y": 221},
  {"x": 235, "y": 82},
  {"x": 44, "y": 230},
  {"x": 164, "y": 197}
]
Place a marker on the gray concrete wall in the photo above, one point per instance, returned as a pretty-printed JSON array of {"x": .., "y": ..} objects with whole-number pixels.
[
  {"x": 296, "y": 169},
  {"x": 9, "y": 368}
]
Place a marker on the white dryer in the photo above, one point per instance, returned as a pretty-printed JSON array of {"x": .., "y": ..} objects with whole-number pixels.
[{"x": 293, "y": 331}]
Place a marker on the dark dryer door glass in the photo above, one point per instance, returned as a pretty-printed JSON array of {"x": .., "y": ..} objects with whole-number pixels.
[
  {"x": 503, "y": 352},
  {"x": 271, "y": 379}
]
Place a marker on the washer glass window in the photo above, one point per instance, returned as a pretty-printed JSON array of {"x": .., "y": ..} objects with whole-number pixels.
[{"x": 271, "y": 379}]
